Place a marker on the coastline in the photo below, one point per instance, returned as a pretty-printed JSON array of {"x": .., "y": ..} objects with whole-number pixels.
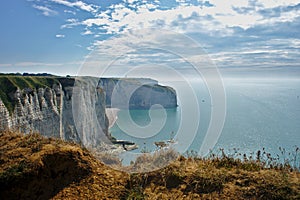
[{"x": 112, "y": 115}]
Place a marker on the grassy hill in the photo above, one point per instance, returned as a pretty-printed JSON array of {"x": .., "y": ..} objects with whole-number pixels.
[{"x": 33, "y": 167}]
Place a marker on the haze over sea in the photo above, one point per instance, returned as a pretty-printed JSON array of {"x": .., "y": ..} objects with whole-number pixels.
[{"x": 260, "y": 113}]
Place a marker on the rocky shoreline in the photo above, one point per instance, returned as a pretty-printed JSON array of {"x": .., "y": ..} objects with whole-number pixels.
[{"x": 112, "y": 116}]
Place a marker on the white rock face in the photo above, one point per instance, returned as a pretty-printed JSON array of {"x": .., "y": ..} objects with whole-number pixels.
[
  {"x": 83, "y": 117},
  {"x": 73, "y": 113},
  {"x": 34, "y": 111},
  {"x": 137, "y": 93}
]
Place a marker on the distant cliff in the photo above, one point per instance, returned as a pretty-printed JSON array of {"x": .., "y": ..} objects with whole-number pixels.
[{"x": 135, "y": 93}]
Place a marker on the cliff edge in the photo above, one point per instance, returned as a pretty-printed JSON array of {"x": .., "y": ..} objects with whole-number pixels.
[{"x": 54, "y": 106}]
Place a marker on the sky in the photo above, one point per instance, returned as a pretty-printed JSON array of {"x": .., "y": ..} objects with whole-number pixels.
[{"x": 240, "y": 37}]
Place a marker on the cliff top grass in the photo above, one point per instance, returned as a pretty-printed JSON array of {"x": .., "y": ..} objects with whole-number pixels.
[
  {"x": 10, "y": 83},
  {"x": 36, "y": 167}
]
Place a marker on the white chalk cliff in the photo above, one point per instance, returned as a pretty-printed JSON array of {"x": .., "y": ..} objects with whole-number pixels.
[
  {"x": 74, "y": 109},
  {"x": 53, "y": 112},
  {"x": 132, "y": 93}
]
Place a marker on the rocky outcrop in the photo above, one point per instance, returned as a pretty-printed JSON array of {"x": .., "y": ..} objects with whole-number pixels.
[
  {"x": 66, "y": 110},
  {"x": 137, "y": 93}
]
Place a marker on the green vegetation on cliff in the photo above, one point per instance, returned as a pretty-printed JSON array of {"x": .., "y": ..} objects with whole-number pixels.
[{"x": 10, "y": 83}]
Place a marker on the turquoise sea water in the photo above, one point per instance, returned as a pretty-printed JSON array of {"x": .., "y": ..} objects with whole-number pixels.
[{"x": 259, "y": 114}]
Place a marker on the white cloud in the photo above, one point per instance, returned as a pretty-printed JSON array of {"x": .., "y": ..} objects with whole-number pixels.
[
  {"x": 216, "y": 19},
  {"x": 220, "y": 18},
  {"x": 130, "y": 1},
  {"x": 284, "y": 17},
  {"x": 71, "y": 23},
  {"x": 87, "y": 32},
  {"x": 146, "y": 50},
  {"x": 59, "y": 36},
  {"x": 149, "y": 45},
  {"x": 45, "y": 10},
  {"x": 185, "y": 17},
  {"x": 262, "y": 54},
  {"x": 276, "y": 3},
  {"x": 78, "y": 4},
  {"x": 70, "y": 12},
  {"x": 124, "y": 18}
]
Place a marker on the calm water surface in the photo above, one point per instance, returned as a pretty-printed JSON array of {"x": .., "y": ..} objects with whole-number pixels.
[{"x": 259, "y": 113}]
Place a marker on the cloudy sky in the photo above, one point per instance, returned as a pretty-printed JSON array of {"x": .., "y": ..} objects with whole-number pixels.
[{"x": 239, "y": 36}]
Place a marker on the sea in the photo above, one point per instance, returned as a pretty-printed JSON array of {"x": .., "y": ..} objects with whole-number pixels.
[{"x": 252, "y": 114}]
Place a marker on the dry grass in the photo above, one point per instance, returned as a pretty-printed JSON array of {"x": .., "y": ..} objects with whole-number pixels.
[
  {"x": 33, "y": 167},
  {"x": 206, "y": 179}
]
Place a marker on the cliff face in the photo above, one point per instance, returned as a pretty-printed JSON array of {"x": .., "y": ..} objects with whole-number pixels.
[
  {"x": 65, "y": 109},
  {"x": 74, "y": 110},
  {"x": 137, "y": 93},
  {"x": 34, "y": 110}
]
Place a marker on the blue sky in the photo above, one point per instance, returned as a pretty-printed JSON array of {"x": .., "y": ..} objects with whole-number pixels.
[{"x": 240, "y": 36}]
